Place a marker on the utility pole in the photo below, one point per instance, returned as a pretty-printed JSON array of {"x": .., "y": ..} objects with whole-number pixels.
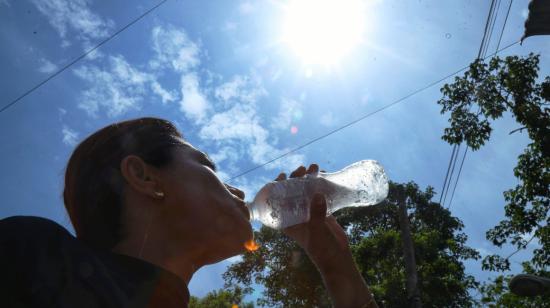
[{"x": 413, "y": 292}]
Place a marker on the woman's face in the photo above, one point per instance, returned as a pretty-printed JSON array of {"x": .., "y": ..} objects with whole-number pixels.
[{"x": 201, "y": 211}]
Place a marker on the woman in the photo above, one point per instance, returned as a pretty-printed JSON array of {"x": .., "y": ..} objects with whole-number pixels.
[{"x": 149, "y": 211}]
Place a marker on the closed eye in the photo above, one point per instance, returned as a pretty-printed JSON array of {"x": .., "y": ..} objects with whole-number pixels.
[{"x": 205, "y": 160}]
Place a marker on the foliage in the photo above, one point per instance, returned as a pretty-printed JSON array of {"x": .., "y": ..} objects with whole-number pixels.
[
  {"x": 493, "y": 88},
  {"x": 496, "y": 293},
  {"x": 291, "y": 280},
  {"x": 221, "y": 299}
]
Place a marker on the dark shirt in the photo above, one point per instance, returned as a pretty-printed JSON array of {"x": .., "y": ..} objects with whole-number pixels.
[{"x": 43, "y": 265}]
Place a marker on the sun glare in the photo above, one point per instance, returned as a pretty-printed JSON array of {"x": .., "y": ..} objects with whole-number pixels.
[{"x": 322, "y": 32}]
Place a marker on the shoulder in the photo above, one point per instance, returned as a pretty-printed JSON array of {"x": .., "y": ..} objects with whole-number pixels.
[
  {"x": 28, "y": 238},
  {"x": 33, "y": 254},
  {"x": 30, "y": 228}
]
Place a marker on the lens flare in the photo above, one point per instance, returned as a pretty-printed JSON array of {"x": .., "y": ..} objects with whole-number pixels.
[
  {"x": 294, "y": 130},
  {"x": 297, "y": 115},
  {"x": 251, "y": 245}
]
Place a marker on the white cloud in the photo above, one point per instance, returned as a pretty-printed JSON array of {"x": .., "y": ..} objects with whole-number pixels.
[
  {"x": 225, "y": 153},
  {"x": 74, "y": 16},
  {"x": 174, "y": 49},
  {"x": 126, "y": 73},
  {"x": 289, "y": 112},
  {"x": 61, "y": 112},
  {"x": 240, "y": 127},
  {"x": 117, "y": 90},
  {"x": 165, "y": 95},
  {"x": 193, "y": 102},
  {"x": 235, "y": 128},
  {"x": 229, "y": 90},
  {"x": 86, "y": 45},
  {"x": 236, "y": 123},
  {"x": 243, "y": 89},
  {"x": 46, "y": 66},
  {"x": 70, "y": 137}
]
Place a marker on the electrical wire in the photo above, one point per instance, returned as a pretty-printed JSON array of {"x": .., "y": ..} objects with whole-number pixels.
[
  {"x": 489, "y": 23},
  {"x": 447, "y": 173},
  {"x": 457, "y": 177},
  {"x": 452, "y": 172},
  {"x": 494, "y": 54},
  {"x": 493, "y": 22},
  {"x": 74, "y": 61},
  {"x": 504, "y": 26},
  {"x": 82, "y": 56},
  {"x": 485, "y": 32},
  {"x": 357, "y": 120}
]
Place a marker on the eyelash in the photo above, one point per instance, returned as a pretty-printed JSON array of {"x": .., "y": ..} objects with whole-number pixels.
[{"x": 208, "y": 164}]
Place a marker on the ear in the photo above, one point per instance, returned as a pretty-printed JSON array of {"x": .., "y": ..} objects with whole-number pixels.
[{"x": 140, "y": 176}]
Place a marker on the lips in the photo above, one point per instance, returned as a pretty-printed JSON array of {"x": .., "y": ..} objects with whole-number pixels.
[{"x": 242, "y": 206}]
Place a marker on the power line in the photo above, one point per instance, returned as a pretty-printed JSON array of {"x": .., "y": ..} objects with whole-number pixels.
[
  {"x": 452, "y": 172},
  {"x": 493, "y": 22},
  {"x": 357, "y": 120},
  {"x": 447, "y": 173},
  {"x": 489, "y": 23},
  {"x": 496, "y": 51},
  {"x": 504, "y": 26},
  {"x": 457, "y": 177},
  {"x": 82, "y": 56}
]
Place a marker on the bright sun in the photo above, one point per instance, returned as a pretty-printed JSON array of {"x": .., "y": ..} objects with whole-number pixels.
[{"x": 322, "y": 32}]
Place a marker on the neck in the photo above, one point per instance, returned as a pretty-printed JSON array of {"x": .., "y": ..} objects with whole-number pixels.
[{"x": 144, "y": 246}]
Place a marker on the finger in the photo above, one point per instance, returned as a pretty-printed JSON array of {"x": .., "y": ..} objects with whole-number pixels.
[
  {"x": 300, "y": 171},
  {"x": 318, "y": 208},
  {"x": 313, "y": 168},
  {"x": 281, "y": 177}
]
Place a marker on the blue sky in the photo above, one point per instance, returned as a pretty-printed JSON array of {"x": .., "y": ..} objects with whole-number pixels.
[{"x": 222, "y": 73}]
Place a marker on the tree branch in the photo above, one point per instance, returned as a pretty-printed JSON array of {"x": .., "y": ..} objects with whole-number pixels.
[
  {"x": 517, "y": 129},
  {"x": 520, "y": 248}
]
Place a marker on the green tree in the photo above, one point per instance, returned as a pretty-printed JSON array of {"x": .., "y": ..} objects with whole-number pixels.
[
  {"x": 221, "y": 299},
  {"x": 291, "y": 280},
  {"x": 483, "y": 94},
  {"x": 496, "y": 293}
]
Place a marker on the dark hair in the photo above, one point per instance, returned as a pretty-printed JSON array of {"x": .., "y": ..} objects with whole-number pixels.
[{"x": 93, "y": 181}]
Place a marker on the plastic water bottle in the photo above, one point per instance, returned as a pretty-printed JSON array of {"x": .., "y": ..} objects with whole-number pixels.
[{"x": 282, "y": 204}]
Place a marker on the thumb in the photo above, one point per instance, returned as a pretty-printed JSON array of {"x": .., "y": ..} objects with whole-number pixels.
[{"x": 318, "y": 208}]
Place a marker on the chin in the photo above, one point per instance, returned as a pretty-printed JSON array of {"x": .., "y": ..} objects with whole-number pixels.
[
  {"x": 229, "y": 239},
  {"x": 226, "y": 252}
]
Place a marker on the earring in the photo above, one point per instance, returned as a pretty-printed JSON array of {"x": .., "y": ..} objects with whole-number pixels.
[{"x": 159, "y": 194}]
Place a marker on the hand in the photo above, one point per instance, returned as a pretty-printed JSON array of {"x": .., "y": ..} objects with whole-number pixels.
[
  {"x": 321, "y": 237},
  {"x": 327, "y": 246}
]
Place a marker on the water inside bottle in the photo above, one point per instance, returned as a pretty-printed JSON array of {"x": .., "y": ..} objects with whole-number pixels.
[{"x": 286, "y": 203}]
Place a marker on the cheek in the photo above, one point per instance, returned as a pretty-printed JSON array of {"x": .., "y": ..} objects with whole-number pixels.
[{"x": 224, "y": 225}]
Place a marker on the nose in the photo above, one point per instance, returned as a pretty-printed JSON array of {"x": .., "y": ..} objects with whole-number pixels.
[{"x": 237, "y": 192}]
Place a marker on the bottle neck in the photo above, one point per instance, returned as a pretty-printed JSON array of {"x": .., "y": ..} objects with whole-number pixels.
[{"x": 251, "y": 209}]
